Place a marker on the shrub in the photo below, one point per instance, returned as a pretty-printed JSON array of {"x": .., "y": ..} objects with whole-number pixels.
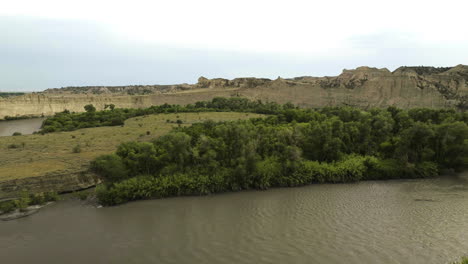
[
  {"x": 464, "y": 260},
  {"x": 385, "y": 169},
  {"x": 76, "y": 149},
  {"x": 81, "y": 195},
  {"x": 17, "y": 134},
  {"x": 90, "y": 108},
  {"x": 37, "y": 198},
  {"x": 426, "y": 169},
  {"x": 110, "y": 167},
  {"x": 51, "y": 196},
  {"x": 23, "y": 202},
  {"x": 13, "y": 146},
  {"x": 7, "y": 206}
]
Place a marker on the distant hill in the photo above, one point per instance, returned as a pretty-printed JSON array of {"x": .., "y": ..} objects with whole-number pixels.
[{"x": 406, "y": 87}]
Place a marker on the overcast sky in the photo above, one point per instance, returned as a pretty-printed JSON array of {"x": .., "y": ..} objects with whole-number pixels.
[{"x": 56, "y": 43}]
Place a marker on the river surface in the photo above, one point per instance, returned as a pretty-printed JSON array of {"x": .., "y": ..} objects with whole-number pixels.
[
  {"x": 408, "y": 221},
  {"x": 24, "y": 126}
]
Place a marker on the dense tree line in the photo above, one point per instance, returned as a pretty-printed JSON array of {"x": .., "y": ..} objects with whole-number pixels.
[
  {"x": 10, "y": 94},
  {"x": 68, "y": 121},
  {"x": 291, "y": 147}
]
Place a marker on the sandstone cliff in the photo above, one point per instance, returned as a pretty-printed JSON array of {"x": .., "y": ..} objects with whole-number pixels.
[{"x": 406, "y": 87}]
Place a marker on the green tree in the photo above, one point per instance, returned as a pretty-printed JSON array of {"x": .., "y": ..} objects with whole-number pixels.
[
  {"x": 110, "y": 167},
  {"x": 90, "y": 108}
]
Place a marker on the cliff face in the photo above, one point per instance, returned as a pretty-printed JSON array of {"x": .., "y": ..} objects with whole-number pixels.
[
  {"x": 406, "y": 87},
  {"x": 55, "y": 182}
]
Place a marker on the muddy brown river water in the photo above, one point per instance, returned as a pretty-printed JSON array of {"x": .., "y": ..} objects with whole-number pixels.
[
  {"x": 24, "y": 126},
  {"x": 407, "y": 221}
]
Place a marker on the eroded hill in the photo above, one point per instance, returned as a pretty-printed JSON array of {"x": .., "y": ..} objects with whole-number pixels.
[{"x": 406, "y": 87}]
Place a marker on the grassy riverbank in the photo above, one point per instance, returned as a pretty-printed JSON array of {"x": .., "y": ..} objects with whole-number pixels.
[{"x": 65, "y": 153}]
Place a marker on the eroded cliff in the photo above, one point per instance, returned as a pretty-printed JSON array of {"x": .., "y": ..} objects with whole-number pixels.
[{"x": 406, "y": 87}]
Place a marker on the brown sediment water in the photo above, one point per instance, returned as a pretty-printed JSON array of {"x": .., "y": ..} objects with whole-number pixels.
[
  {"x": 24, "y": 126},
  {"x": 405, "y": 221}
]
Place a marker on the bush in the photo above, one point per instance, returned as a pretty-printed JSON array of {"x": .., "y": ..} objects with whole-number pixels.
[
  {"x": 426, "y": 169},
  {"x": 27, "y": 199},
  {"x": 37, "y": 198},
  {"x": 7, "y": 206},
  {"x": 110, "y": 167},
  {"x": 385, "y": 169},
  {"x": 13, "y": 146},
  {"x": 51, "y": 196},
  {"x": 17, "y": 134},
  {"x": 90, "y": 108},
  {"x": 76, "y": 149},
  {"x": 43, "y": 197},
  {"x": 464, "y": 260},
  {"x": 81, "y": 195},
  {"x": 23, "y": 202}
]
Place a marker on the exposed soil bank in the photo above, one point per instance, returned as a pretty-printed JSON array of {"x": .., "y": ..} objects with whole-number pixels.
[{"x": 60, "y": 183}]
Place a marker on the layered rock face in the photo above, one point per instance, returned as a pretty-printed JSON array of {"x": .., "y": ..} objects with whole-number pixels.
[
  {"x": 406, "y": 87},
  {"x": 54, "y": 182}
]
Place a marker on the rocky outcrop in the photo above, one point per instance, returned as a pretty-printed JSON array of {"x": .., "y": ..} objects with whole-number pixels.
[
  {"x": 235, "y": 83},
  {"x": 129, "y": 89},
  {"x": 406, "y": 87},
  {"x": 61, "y": 183}
]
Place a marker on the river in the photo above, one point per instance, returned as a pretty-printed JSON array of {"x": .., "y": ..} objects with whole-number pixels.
[
  {"x": 24, "y": 126},
  {"x": 407, "y": 221}
]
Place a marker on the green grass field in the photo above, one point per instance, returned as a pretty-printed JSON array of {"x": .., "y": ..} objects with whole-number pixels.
[{"x": 40, "y": 155}]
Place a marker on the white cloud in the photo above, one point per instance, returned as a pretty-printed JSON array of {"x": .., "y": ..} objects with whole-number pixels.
[
  {"x": 53, "y": 43},
  {"x": 294, "y": 26}
]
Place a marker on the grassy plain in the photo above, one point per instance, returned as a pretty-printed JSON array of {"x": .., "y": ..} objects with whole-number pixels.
[{"x": 40, "y": 155}]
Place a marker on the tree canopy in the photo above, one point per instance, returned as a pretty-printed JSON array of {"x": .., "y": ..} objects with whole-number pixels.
[{"x": 291, "y": 147}]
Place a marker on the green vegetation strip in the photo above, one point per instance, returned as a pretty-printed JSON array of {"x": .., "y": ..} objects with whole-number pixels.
[
  {"x": 67, "y": 121},
  {"x": 10, "y": 94},
  {"x": 26, "y": 200}
]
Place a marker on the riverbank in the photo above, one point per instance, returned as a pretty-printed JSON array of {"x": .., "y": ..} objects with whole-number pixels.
[
  {"x": 20, "y": 213},
  {"x": 20, "y": 117},
  {"x": 54, "y": 162}
]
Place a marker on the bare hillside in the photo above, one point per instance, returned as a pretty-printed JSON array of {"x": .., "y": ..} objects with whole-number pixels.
[{"x": 406, "y": 87}]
